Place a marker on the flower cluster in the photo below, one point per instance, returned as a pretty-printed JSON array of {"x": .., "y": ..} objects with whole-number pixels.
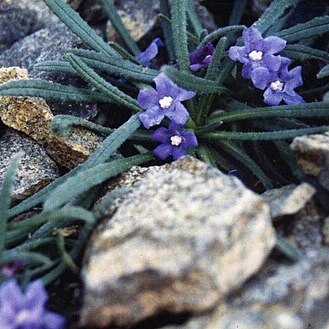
[
  {"x": 26, "y": 310},
  {"x": 165, "y": 101},
  {"x": 267, "y": 70}
]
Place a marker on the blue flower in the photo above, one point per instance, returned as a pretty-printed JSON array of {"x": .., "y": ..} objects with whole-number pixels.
[
  {"x": 174, "y": 141},
  {"x": 150, "y": 52},
  {"x": 201, "y": 57},
  {"x": 257, "y": 52},
  {"x": 279, "y": 85},
  {"x": 26, "y": 310},
  {"x": 165, "y": 101}
]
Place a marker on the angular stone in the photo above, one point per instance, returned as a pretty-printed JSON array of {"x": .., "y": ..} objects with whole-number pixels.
[
  {"x": 36, "y": 169},
  {"x": 184, "y": 237},
  {"x": 312, "y": 154},
  {"x": 19, "y": 18},
  {"x": 49, "y": 43},
  {"x": 140, "y": 17},
  {"x": 33, "y": 117},
  {"x": 289, "y": 199}
]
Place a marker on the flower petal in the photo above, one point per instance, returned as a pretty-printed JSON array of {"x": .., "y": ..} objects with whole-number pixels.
[
  {"x": 53, "y": 321},
  {"x": 148, "y": 98},
  {"x": 162, "y": 135},
  {"x": 178, "y": 152},
  {"x": 272, "y": 97},
  {"x": 293, "y": 99},
  {"x": 165, "y": 86},
  {"x": 163, "y": 151},
  {"x": 260, "y": 77},
  {"x": 246, "y": 71},
  {"x": 183, "y": 95},
  {"x": 238, "y": 54},
  {"x": 252, "y": 39},
  {"x": 273, "y": 63},
  {"x": 36, "y": 294},
  {"x": 178, "y": 114},
  {"x": 151, "y": 118},
  {"x": 274, "y": 45},
  {"x": 11, "y": 295},
  {"x": 149, "y": 53},
  {"x": 190, "y": 139}
]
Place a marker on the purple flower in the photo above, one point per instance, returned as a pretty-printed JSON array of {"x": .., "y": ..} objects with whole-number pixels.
[
  {"x": 257, "y": 52},
  {"x": 164, "y": 101},
  {"x": 12, "y": 268},
  {"x": 201, "y": 57},
  {"x": 174, "y": 141},
  {"x": 20, "y": 310},
  {"x": 279, "y": 85},
  {"x": 150, "y": 52}
]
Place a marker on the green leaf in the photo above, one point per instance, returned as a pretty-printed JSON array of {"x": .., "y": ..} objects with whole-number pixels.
[
  {"x": 179, "y": 28},
  {"x": 114, "y": 93},
  {"x": 238, "y": 10},
  {"x": 312, "y": 28},
  {"x": 301, "y": 53},
  {"x": 51, "y": 90},
  {"x": 79, "y": 27},
  {"x": 89, "y": 178},
  {"x": 191, "y": 82},
  {"x": 242, "y": 157},
  {"x": 5, "y": 197},
  {"x": 166, "y": 28},
  {"x": 62, "y": 124},
  {"x": 204, "y": 154},
  {"x": 271, "y": 15},
  {"x": 116, "y": 21},
  {"x": 324, "y": 72},
  {"x": 257, "y": 136},
  {"x": 288, "y": 249},
  {"x": 221, "y": 32},
  {"x": 193, "y": 18},
  {"x": 286, "y": 111},
  {"x": 102, "y": 154}
]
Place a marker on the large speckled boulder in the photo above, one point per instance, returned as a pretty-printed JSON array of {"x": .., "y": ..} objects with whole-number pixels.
[
  {"x": 184, "y": 237},
  {"x": 36, "y": 168},
  {"x": 33, "y": 117}
]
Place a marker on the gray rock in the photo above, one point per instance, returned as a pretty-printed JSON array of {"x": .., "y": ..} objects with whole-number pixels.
[
  {"x": 288, "y": 200},
  {"x": 140, "y": 17},
  {"x": 49, "y": 44},
  {"x": 312, "y": 154},
  {"x": 19, "y": 18},
  {"x": 184, "y": 237},
  {"x": 36, "y": 169}
]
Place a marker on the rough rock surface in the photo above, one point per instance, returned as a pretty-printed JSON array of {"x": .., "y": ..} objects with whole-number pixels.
[
  {"x": 289, "y": 199},
  {"x": 184, "y": 237},
  {"x": 284, "y": 294},
  {"x": 139, "y": 17},
  {"x": 19, "y": 18},
  {"x": 312, "y": 154},
  {"x": 33, "y": 117},
  {"x": 36, "y": 169},
  {"x": 49, "y": 43}
]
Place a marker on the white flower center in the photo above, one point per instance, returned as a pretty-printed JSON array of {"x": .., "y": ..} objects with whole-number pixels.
[
  {"x": 22, "y": 316},
  {"x": 277, "y": 85},
  {"x": 165, "y": 102},
  {"x": 256, "y": 55},
  {"x": 176, "y": 140}
]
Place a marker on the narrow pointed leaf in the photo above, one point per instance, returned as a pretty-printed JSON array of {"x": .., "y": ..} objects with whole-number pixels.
[
  {"x": 50, "y": 90},
  {"x": 115, "y": 94},
  {"x": 89, "y": 178},
  {"x": 79, "y": 27},
  {"x": 191, "y": 82},
  {"x": 301, "y": 53}
]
